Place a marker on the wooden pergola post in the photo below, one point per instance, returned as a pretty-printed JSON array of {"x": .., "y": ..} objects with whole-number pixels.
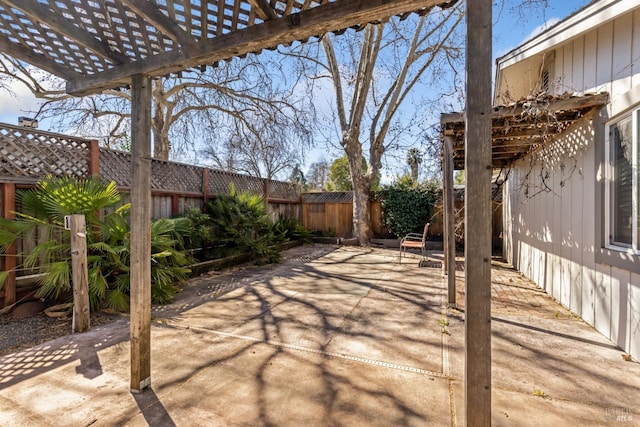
[
  {"x": 140, "y": 233},
  {"x": 449, "y": 221},
  {"x": 478, "y": 215}
]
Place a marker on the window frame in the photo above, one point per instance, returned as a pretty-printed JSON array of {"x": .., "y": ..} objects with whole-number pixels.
[{"x": 609, "y": 243}]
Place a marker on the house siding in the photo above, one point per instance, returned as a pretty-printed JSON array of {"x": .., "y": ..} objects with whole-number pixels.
[{"x": 552, "y": 205}]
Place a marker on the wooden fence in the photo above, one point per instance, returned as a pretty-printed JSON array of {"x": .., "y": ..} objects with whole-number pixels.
[
  {"x": 331, "y": 214},
  {"x": 27, "y": 155}
]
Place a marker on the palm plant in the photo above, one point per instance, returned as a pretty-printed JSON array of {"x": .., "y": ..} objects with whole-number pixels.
[
  {"x": 240, "y": 224},
  {"x": 108, "y": 243}
]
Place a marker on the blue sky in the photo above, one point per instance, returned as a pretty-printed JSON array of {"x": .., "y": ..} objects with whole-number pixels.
[{"x": 510, "y": 29}]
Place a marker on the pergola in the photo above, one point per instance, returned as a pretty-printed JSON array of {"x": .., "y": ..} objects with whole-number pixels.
[
  {"x": 518, "y": 130},
  {"x": 104, "y": 44}
]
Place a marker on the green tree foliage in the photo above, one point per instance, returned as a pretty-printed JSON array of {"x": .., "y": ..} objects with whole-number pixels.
[
  {"x": 340, "y": 175},
  {"x": 108, "y": 243},
  {"x": 407, "y": 207}
]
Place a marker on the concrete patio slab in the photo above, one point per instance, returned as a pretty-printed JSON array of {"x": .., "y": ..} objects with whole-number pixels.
[{"x": 330, "y": 337}]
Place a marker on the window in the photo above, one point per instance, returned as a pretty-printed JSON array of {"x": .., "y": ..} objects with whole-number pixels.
[{"x": 622, "y": 191}]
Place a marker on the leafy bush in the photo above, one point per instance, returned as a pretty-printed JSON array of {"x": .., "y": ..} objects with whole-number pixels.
[
  {"x": 108, "y": 243},
  {"x": 407, "y": 207},
  {"x": 290, "y": 229},
  {"x": 197, "y": 229},
  {"x": 240, "y": 224}
]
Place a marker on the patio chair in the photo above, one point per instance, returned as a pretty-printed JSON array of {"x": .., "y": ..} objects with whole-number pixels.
[{"x": 415, "y": 241}]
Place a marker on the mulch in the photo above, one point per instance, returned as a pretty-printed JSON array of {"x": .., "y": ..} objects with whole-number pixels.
[{"x": 22, "y": 333}]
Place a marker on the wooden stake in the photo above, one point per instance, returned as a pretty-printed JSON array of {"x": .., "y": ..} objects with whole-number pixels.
[
  {"x": 140, "y": 234},
  {"x": 8, "y": 209},
  {"x": 478, "y": 215},
  {"x": 79, "y": 274}
]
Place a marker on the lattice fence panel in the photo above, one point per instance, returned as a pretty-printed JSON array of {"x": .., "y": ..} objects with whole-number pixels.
[
  {"x": 32, "y": 154},
  {"x": 219, "y": 182},
  {"x": 176, "y": 177},
  {"x": 115, "y": 166},
  {"x": 283, "y": 190},
  {"x": 27, "y": 152}
]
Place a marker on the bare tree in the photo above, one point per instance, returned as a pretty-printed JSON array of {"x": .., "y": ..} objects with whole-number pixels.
[
  {"x": 373, "y": 73},
  {"x": 265, "y": 146},
  {"x": 318, "y": 175},
  {"x": 189, "y": 108}
]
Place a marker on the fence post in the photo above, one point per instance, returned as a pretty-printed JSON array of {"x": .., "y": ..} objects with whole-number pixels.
[
  {"x": 175, "y": 205},
  {"x": 8, "y": 208},
  {"x": 266, "y": 195},
  {"x": 79, "y": 274},
  {"x": 205, "y": 187},
  {"x": 94, "y": 158}
]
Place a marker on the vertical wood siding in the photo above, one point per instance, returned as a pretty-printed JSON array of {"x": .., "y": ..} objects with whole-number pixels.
[{"x": 550, "y": 236}]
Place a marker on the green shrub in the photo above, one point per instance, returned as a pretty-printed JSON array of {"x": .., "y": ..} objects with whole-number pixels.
[
  {"x": 288, "y": 229},
  {"x": 407, "y": 207},
  {"x": 195, "y": 229}
]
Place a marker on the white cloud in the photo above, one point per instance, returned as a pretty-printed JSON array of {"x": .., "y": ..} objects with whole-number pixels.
[
  {"x": 16, "y": 99},
  {"x": 542, "y": 27}
]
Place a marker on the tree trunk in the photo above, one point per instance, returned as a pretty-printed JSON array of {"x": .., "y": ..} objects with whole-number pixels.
[
  {"x": 362, "y": 211},
  {"x": 361, "y": 181},
  {"x": 161, "y": 144},
  {"x": 414, "y": 171}
]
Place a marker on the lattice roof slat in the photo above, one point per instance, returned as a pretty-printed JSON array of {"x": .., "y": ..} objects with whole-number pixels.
[{"x": 99, "y": 44}]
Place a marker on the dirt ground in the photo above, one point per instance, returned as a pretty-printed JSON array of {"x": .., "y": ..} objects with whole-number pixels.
[{"x": 18, "y": 334}]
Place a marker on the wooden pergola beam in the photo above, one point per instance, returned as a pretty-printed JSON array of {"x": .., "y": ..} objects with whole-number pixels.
[
  {"x": 40, "y": 13},
  {"x": 287, "y": 29},
  {"x": 36, "y": 59},
  {"x": 552, "y": 106},
  {"x": 169, "y": 27},
  {"x": 263, "y": 9}
]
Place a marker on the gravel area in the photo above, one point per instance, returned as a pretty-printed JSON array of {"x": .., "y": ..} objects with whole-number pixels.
[{"x": 18, "y": 334}]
